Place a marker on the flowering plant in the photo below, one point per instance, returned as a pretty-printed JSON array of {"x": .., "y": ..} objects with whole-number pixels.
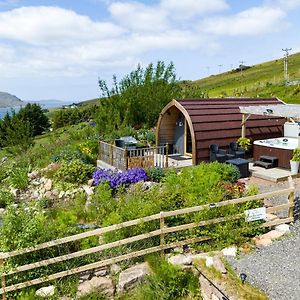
[{"x": 117, "y": 178}]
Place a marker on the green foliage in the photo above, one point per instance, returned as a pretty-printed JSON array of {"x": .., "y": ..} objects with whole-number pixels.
[
  {"x": 71, "y": 153},
  {"x": 296, "y": 154},
  {"x": 72, "y": 116},
  {"x": 167, "y": 282},
  {"x": 33, "y": 113},
  {"x": 244, "y": 142},
  {"x": 74, "y": 171},
  {"x": 127, "y": 102},
  {"x": 5, "y": 198},
  {"x": 18, "y": 177},
  {"x": 155, "y": 174}
]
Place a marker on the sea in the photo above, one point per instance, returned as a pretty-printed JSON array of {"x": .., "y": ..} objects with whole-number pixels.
[{"x": 45, "y": 104}]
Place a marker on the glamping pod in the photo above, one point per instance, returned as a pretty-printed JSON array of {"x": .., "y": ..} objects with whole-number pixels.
[{"x": 189, "y": 126}]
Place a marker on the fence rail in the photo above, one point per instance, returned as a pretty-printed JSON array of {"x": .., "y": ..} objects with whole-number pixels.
[
  {"x": 128, "y": 158},
  {"x": 162, "y": 231}
]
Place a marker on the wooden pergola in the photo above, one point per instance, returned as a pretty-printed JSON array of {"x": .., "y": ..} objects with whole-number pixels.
[{"x": 288, "y": 111}]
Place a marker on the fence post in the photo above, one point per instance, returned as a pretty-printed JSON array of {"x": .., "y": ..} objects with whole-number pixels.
[
  {"x": 167, "y": 153},
  {"x": 3, "y": 279},
  {"x": 162, "y": 235},
  {"x": 99, "y": 154},
  {"x": 126, "y": 158},
  {"x": 291, "y": 197},
  {"x": 111, "y": 155}
]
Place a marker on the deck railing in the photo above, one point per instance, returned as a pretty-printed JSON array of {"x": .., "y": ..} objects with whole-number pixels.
[
  {"x": 128, "y": 158},
  {"x": 161, "y": 232}
]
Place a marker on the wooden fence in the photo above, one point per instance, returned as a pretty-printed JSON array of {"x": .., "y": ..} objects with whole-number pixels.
[
  {"x": 128, "y": 158},
  {"x": 162, "y": 231}
]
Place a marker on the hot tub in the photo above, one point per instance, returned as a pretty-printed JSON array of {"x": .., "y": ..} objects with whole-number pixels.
[{"x": 282, "y": 148}]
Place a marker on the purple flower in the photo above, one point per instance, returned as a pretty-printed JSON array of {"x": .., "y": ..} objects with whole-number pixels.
[{"x": 117, "y": 178}]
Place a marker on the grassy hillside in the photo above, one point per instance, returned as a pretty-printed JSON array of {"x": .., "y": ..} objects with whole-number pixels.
[{"x": 262, "y": 80}]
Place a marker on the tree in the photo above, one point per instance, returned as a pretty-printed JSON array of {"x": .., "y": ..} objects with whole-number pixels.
[
  {"x": 34, "y": 114},
  {"x": 138, "y": 98}
]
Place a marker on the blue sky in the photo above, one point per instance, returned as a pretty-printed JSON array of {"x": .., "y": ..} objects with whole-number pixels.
[{"x": 59, "y": 49}]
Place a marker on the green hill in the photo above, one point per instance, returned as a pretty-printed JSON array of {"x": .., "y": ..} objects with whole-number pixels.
[{"x": 261, "y": 80}]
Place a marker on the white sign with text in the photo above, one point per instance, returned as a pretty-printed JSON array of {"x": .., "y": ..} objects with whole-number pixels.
[{"x": 255, "y": 214}]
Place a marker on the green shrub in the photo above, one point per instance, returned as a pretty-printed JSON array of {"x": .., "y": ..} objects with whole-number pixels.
[
  {"x": 71, "y": 153},
  {"x": 18, "y": 177},
  {"x": 155, "y": 174},
  {"x": 74, "y": 172},
  {"x": 5, "y": 198}
]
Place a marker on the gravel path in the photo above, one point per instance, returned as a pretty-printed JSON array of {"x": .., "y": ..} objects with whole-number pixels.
[{"x": 275, "y": 269}]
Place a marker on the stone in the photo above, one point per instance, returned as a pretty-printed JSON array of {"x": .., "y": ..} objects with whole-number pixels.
[
  {"x": 268, "y": 203},
  {"x": 49, "y": 195},
  {"x": 130, "y": 277},
  {"x": 273, "y": 235},
  {"x": 61, "y": 194},
  {"x": 35, "y": 182},
  {"x": 35, "y": 194},
  {"x": 230, "y": 251},
  {"x": 284, "y": 228},
  {"x": 271, "y": 217},
  {"x": 209, "y": 262},
  {"x": 46, "y": 291},
  {"x": 218, "y": 264},
  {"x": 15, "y": 192},
  {"x": 101, "y": 284},
  {"x": 100, "y": 272},
  {"x": 90, "y": 182},
  {"x": 48, "y": 185},
  {"x": 55, "y": 192},
  {"x": 178, "y": 250},
  {"x": 180, "y": 260},
  {"x": 206, "y": 288},
  {"x": 115, "y": 269},
  {"x": 262, "y": 242},
  {"x": 2, "y": 210},
  {"x": 88, "y": 190},
  {"x": 34, "y": 174}
]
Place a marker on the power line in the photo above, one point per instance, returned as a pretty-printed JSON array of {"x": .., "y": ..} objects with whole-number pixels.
[
  {"x": 241, "y": 66},
  {"x": 285, "y": 63}
]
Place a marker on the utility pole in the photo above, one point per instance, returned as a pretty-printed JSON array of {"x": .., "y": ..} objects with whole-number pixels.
[
  {"x": 241, "y": 66},
  {"x": 220, "y": 66},
  {"x": 285, "y": 63}
]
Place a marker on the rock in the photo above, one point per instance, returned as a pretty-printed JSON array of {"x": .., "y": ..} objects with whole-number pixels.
[
  {"x": 46, "y": 291},
  {"x": 268, "y": 203},
  {"x": 209, "y": 261},
  {"x": 34, "y": 175},
  {"x": 88, "y": 190},
  {"x": 284, "y": 228},
  {"x": 273, "y": 235},
  {"x": 180, "y": 260},
  {"x": 206, "y": 288},
  {"x": 35, "y": 182},
  {"x": 35, "y": 194},
  {"x": 48, "y": 185},
  {"x": 230, "y": 251},
  {"x": 178, "y": 250},
  {"x": 218, "y": 264},
  {"x": 101, "y": 284},
  {"x": 61, "y": 194},
  {"x": 100, "y": 272},
  {"x": 49, "y": 195},
  {"x": 147, "y": 185},
  {"x": 271, "y": 217},
  {"x": 133, "y": 275},
  {"x": 55, "y": 192},
  {"x": 214, "y": 297},
  {"x": 3, "y": 159},
  {"x": 15, "y": 192},
  {"x": 115, "y": 269},
  {"x": 2, "y": 211},
  {"x": 262, "y": 242},
  {"x": 90, "y": 182}
]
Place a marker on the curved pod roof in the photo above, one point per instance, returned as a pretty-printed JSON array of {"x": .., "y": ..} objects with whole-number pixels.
[{"x": 216, "y": 121}]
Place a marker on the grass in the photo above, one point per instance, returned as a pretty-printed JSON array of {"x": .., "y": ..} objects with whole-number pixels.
[
  {"x": 261, "y": 80},
  {"x": 231, "y": 283}
]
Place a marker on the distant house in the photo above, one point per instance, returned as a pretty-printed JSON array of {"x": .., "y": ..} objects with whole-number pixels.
[
  {"x": 73, "y": 105},
  {"x": 189, "y": 126}
]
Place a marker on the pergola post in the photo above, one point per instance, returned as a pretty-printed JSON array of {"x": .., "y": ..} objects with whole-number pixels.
[{"x": 244, "y": 119}]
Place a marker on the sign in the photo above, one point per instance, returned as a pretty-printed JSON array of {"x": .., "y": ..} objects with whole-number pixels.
[{"x": 255, "y": 214}]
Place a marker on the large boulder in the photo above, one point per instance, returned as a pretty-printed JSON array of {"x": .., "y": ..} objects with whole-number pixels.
[
  {"x": 102, "y": 284},
  {"x": 131, "y": 276}
]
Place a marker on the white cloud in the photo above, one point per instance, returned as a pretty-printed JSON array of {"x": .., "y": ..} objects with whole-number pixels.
[
  {"x": 283, "y": 4},
  {"x": 139, "y": 17},
  {"x": 190, "y": 8},
  {"x": 253, "y": 21},
  {"x": 52, "y": 25}
]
